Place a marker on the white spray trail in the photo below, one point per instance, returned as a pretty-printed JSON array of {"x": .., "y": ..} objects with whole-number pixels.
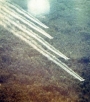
[
  {"x": 26, "y": 14},
  {"x": 32, "y": 25},
  {"x": 34, "y": 35},
  {"x": 18, "y": 29},
  {"x": 35, "y": 45}
]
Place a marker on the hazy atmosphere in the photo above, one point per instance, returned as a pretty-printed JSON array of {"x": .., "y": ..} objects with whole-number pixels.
[{"x": 44, "y": 51}]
